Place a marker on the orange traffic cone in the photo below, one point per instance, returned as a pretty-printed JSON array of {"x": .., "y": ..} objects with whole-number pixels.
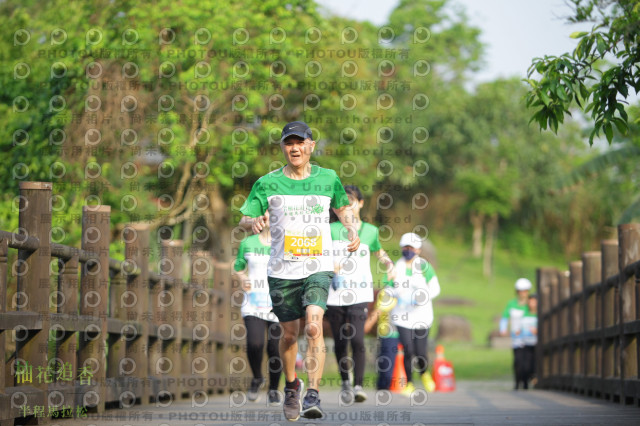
[
  {"x": 399, "y": 377},
  {"x": 443, "y": 375}
]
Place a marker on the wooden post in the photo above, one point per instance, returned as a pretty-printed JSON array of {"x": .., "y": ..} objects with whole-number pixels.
[
  {"x": 577, "y": 325},
  {"x": 67, "y": 341},
  {"x": 136, "y": 238},
  {"x": 6, "y": 416},
  {"x": 117, "y": 342},
  {"x": 629, "y": 243},
  {"x": 171, "y": 262},
  {"x": 201, "y": 273},
  {"x": 34, "y": 275},
  {"x": 94, "y": 296},
  {"x": 543, "y": 355},
  {"x": 156, "y": 313},
  {"x": 610, "y": 346},
  {"x": 211, "y": 308},
  {"x": 226, "y": 317},
  {"x": 591, "y": 274},
  {"x": 564, "y": 294},
  {"x": 4, "y": 248},
  {"x": 188, "y": 322},
  {"x": 564, "y": 318},
  {"x": 609, "y": 268},
  {"x": 554, "y": 299}
]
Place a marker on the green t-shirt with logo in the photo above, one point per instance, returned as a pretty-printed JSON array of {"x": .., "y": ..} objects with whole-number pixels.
[
  {"x": 299, "y": 219},
  {"x": 514, "y": 312}
]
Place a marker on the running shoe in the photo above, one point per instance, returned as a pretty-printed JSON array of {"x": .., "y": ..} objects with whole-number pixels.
[
  {"x": 311, "y": 405},
  {"x": 274, "y": 397},
  {"x": 427, "y": 381},
  {"x": 293, "y": 402},
  {"x": 346, "y": 394},
  {"x": 360, "y": 394},
  {"x": 409, "y": 389},
  {"x": 256, "y": 385}
]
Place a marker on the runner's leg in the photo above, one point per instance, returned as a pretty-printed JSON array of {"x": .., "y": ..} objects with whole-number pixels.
[
  {"x": 289, "y": 348},
  {"x": 255, "y": 343},
  {"x": 420, "y": 339},
  {"x": 315, "y": 342},
  {"x": 274, "y": 331},
  {"x": 356, "y": 316},
  {"x": 409, "y": 351},
  {"x": 386, "y": 361},
  {"x": 337, "y": 318},
  {"x": 517, "y": 365}
]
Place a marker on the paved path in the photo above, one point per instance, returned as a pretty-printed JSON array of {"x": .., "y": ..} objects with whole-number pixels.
[{"x": 483, "y": 403}]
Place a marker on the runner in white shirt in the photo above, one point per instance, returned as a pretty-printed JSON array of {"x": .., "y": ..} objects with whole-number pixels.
[
  {"x": 298, "y": 197},
  {"x": 415, "y": 286},
  {"x": 250, "y": 269},
  {"x": 351, "y": 292}
]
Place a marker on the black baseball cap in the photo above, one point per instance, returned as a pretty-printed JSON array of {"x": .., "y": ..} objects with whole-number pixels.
[{"x": 296, "y": 128}]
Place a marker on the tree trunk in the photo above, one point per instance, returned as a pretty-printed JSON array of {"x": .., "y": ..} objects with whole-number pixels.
[
  {"x": 372, "y": 208},
  {"x": 487, "y": 263},
  {"x": 477, "y": 220},
  {"x": 218, "y": 224}
]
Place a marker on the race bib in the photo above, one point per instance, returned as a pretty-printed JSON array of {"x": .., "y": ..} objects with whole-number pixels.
[{"x": 300, "y": 247}]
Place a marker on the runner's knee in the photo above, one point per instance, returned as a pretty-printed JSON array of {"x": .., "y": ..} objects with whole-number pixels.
[{"x": 313, "y": 330}]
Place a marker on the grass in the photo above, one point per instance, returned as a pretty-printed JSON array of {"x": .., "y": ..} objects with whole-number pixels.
[
  {"x": 460, "y": 275},
  {"x": 479, "y": 362}
]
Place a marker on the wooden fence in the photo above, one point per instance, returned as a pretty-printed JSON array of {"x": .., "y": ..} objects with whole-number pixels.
[
  {"x": 83, "y": 331},
  {"x": 589, "y": 322}
]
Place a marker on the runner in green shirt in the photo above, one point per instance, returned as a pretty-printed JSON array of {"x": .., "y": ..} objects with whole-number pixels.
[
  {"x": 512, "y": 316},
  {"x": 299, "y": 197}
]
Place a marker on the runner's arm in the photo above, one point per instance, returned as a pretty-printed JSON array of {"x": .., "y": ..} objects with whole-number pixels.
[
  {"x": 346, "y": 216},
  {"x": 383, "y": 257},
  {"x": 253, "y": 224},
  {"x": 371, "y": 320},
  {"x": 240, "y": 268},
  {"x": 504, "y": 324},
  {"x": 242, "y": 276}
]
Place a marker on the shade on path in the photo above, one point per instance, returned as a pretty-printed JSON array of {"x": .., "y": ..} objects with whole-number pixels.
[{"x": 480, "y": 403}]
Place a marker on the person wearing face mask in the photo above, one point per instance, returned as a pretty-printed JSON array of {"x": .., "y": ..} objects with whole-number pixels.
[{"x": 415, "y": 286}]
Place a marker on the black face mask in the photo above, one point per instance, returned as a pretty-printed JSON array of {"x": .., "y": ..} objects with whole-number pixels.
[{"x": 408, "y": 254}]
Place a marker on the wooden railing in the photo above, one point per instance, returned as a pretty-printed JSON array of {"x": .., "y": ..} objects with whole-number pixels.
[
  {"x": 589, "y": 322},
  {"x": 95, "y": 332}
]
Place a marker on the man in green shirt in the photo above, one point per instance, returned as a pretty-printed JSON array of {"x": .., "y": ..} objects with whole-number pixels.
[{"x": 298, "y": 197}]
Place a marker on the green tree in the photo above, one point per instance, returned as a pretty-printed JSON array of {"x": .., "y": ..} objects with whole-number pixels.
[
  {"x": 617, "y": 168},
  {"x": 165, "y": 113},
  {"x": 169, "y": 114},
  {"x": 441, "y": 47},
  {"x": 509, "y": 176},
  {"x": 596, "y": 78},
  {"x": 597, "y": 75}
]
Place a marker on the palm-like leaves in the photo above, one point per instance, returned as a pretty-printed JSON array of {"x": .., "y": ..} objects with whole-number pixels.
[{"x": 623, "y": 162}]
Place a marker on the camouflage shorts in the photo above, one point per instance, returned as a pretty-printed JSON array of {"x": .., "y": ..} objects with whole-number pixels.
[{"x": 290, "y": 298}]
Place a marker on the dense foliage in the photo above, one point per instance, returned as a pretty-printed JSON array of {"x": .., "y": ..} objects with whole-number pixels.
[{"x": 169, "y": 113}]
